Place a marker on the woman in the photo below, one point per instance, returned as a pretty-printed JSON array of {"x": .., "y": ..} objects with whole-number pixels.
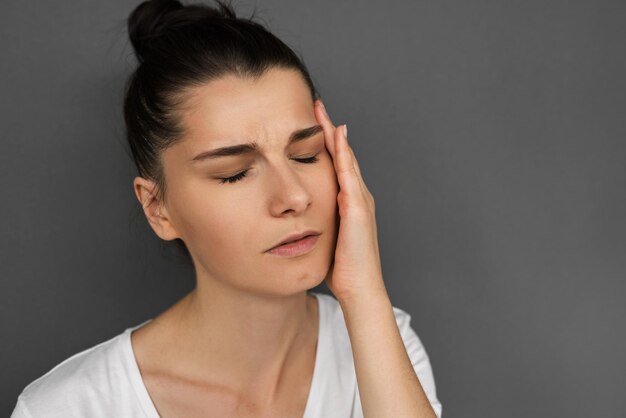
[{"x": 236, "y": 157}]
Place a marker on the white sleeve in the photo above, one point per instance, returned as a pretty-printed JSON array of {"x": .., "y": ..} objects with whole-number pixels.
[
  {"x": 419, "y": 358},
  {"x": 20, "y": 410}
]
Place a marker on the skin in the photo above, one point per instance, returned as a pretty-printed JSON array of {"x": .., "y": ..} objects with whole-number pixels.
[{"x": 257, "y": 304}]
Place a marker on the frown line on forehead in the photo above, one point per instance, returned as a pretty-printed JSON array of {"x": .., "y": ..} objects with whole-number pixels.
[{"x": 252, "y": 147}]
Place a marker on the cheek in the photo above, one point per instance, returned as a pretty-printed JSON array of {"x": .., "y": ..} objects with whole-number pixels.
[
  {"x": 222, "y": 222},
  {"x": 211, "y": 220}
]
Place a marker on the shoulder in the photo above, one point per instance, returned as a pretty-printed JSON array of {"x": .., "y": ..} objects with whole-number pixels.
[
  {"x": 334, "y": 315},
  {"x": 419, "y": 358},
  {"x": 412, "y": 342},
  {"x": 76, "y": 385}
]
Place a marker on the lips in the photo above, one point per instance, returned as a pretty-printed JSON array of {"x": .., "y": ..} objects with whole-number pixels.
[{"x": 294, "y": 237}]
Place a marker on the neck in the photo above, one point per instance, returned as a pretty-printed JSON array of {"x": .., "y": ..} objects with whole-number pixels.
[{"x": 243, "y": 340}]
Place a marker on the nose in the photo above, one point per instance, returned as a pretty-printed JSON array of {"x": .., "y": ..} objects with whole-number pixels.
[{"x": 287, "y": 191}]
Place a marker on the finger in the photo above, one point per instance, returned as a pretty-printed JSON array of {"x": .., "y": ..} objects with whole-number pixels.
[
  {"x": 356, "y": 163},
  {"x": 327, "y": 126},
  {"x": 345, "y": 168},
  {"x": 330, "y": 132},
  {"x": 357, "y": 169},
  {"x": 324, "y": 119}
]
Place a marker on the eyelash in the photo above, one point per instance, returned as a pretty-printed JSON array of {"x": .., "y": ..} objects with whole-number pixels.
[{"x": 239, "y": 176}]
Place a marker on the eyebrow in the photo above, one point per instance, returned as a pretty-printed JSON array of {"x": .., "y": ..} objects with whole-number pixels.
[{"x": 251, "y": 147}]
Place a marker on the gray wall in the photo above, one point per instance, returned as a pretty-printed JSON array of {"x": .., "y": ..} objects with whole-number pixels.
[{"x": 491, "y": 134}]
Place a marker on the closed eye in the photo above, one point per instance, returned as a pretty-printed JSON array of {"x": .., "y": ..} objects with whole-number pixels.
[{"x": 239, "y": 176}]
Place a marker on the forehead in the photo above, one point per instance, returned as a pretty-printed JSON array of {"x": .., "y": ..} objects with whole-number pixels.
[{"x": 277, "y": 102}]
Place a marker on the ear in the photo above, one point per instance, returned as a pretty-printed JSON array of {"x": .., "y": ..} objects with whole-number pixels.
[{"x": 155, "y": 212}]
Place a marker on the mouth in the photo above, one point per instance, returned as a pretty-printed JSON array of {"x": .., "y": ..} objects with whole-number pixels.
[
  {"x": 292, "y": 238},
  {"x": 295, "y": 247}
]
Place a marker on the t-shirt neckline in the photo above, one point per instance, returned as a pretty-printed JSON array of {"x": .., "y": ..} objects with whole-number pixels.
[{"x": 148, "y": 406}]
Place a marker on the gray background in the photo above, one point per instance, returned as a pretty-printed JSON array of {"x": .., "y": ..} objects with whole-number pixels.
[{"x": 491, "y": 134}]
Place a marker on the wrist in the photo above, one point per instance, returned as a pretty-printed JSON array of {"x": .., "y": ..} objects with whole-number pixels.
[{"x": 367, "y": 300}]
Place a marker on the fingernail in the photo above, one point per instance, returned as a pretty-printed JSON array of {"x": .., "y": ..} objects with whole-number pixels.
[{"x": 345, "y": 131}]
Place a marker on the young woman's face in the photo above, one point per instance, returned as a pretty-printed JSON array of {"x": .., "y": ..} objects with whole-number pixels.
[{"x": 228, "y": 225}]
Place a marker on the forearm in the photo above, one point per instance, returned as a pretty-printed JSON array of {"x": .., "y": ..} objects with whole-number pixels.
[{"x": 388, "y": 385}]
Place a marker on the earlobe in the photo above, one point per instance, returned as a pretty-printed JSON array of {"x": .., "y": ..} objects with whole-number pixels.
[
  {"x": 160, "y": 224},
  {"x": 155, "y": 214}
]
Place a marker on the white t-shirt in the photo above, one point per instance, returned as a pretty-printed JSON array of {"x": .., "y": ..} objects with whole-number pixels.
[{"x": 105, "y": 381}]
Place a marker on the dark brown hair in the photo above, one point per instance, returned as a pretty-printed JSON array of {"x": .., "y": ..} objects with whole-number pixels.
[{"x": 179, "y": 47}]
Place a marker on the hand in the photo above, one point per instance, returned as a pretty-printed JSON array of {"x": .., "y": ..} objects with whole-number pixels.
[{"x": 356, "y": 269}]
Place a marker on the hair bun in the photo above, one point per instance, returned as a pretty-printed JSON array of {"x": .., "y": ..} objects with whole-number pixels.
[
  {"x": 146, "y": 22},
  {"x": 150, "y": 19}
]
